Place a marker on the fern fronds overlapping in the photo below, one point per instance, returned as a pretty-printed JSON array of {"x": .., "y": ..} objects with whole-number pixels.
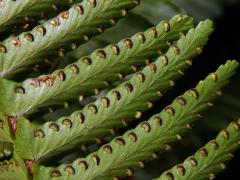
[
  {"x": 129, "y": 150},
  {"x": 123, "y": 103},
  {"x": 57, "y": 98},
  {"x": 93, "y": 71},
  {"x": 79, "y": 23}
]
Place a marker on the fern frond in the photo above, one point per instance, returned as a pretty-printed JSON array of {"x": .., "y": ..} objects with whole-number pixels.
[
  {"x": 15, "y": 11},
  {"x": 78, "y": 23},
  {"x": 13, "y": 169},
  {"x": 93, "y": 71},
  {"x": 208, "y": 160},
  {"x": 126, "y": 101},
  {"x": 121, "y": 154}
]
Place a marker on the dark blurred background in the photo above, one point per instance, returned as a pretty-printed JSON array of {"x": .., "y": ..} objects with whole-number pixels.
[
  {"x": 224, "y": 44},
  {"x": 230, "y": 18}
]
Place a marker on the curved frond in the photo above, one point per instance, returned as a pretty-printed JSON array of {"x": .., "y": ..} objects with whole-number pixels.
[
  {"x": 125, "y": 152},
  {"x": 93, "y": 71},
  {"x": 78, "y": 23},
  {"x": 208, "y": 160}
]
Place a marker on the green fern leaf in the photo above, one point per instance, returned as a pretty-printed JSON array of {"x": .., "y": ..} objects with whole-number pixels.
[
  {"x": 121, "y": 154},
  {"x": 208, "y": 160},
  {"x": 90, "y": 72},
  {"x": 78, "y": 23},
  {"x": 14, "y": 11}
]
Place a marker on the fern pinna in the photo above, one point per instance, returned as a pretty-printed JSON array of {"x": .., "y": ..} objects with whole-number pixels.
[{"x": 115, "y": 85}]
